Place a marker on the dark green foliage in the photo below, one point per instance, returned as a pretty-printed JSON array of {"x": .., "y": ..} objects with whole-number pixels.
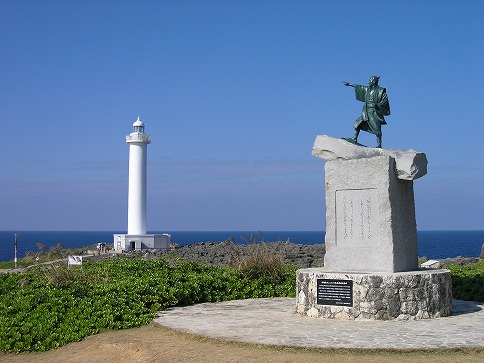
[
  {"x": 50, "y": 307},
  {"x": 468, "y": 281}
]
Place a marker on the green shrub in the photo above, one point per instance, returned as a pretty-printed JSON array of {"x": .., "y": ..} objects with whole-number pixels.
[
  {"x": 45, "y": 308},
  {"x": 468, "y": 281}
]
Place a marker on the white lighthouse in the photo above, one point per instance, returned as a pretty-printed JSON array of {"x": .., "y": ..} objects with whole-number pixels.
[
  {"x": 136, "y": 238},
  {"x": 138, "y": 143}
]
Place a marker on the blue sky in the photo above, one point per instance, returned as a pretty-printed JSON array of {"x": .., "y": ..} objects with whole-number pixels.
[{"x": 233, "y": 94}]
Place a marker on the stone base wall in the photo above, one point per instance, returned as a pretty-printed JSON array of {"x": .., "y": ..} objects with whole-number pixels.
[{"x": 422, "y": 294}]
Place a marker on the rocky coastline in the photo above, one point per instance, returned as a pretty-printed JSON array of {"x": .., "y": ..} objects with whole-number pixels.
[{"x": 227, "y": 253}]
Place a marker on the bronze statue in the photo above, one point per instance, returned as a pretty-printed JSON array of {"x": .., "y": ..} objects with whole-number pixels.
[{"x": 376, "y": 106}]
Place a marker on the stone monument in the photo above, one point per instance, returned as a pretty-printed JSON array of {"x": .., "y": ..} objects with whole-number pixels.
[{"x": 371, "y": 263}]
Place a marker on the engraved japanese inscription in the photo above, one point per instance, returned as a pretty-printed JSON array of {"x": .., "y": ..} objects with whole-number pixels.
[{"x": 357, "y": 217}]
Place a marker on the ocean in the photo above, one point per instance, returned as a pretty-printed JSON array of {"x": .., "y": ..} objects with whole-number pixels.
[{"x": 432, "y": 244}]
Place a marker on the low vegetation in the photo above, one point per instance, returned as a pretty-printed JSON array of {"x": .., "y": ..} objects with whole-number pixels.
[
  {"x": 53, "y": 305},
  {"x": 44, "y": 254},
  {"x": 468, "y": 281},
  {"x": 259, "y": 262}
]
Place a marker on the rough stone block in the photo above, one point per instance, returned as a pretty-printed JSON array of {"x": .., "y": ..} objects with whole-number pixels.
[{"x": 409, "y": 164}]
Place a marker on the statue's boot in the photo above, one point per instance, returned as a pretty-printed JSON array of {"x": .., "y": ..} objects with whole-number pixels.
[
  {"x": 378, "y": 140},
  {"x": 354, "y": 139}
]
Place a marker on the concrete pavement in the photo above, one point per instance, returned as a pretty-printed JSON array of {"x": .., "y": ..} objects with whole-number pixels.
[{"x": 273, "y": 321}]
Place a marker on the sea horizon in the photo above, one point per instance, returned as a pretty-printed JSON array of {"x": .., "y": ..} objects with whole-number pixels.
[{"x": 436, "y": 244}]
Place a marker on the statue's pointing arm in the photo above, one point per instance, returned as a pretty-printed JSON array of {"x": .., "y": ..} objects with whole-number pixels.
[{"x": 349, "y": 84}]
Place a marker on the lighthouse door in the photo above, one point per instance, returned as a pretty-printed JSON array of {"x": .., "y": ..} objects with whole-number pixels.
[{"x": 132, "y": 245}]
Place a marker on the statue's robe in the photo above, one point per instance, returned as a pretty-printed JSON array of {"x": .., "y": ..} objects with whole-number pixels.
[{"x": 375, "y": 108}]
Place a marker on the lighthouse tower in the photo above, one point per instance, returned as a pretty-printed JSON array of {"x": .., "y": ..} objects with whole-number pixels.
[
  {"x": 138, "y": 142},
  {"x": 136, "y": 238}
]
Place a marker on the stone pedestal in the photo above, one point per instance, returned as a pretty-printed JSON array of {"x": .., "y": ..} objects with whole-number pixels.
[
  {"x": 371, "y": 262},
  {"x": 370, "y": 217},
  {"x": 371, "y": 296}
]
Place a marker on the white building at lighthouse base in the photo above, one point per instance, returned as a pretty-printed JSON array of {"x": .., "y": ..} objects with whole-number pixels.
[{"x": 131, "y": 242}]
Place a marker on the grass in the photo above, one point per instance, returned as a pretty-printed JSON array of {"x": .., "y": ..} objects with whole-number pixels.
[
  {"x": 43, "y": 255},
  {"x": 259, "y": 263}
]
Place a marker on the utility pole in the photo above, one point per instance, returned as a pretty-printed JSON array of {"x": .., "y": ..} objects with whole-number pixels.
[{"x": 15, "y": 251}]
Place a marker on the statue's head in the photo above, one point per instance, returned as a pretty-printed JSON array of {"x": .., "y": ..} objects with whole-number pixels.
[{"x": 373, "y": 80}]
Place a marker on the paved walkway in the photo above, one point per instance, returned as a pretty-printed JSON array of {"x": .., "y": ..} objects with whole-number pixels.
[{"x": 274, "y": 321}]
